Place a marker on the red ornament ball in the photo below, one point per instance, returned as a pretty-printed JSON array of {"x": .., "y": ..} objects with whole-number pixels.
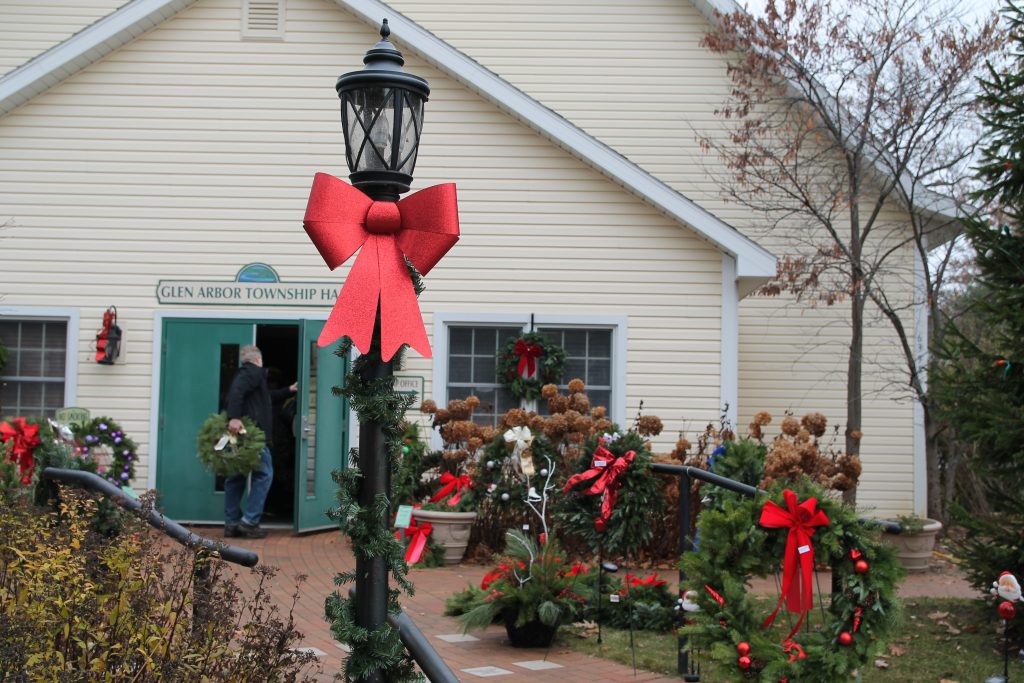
[
  {"x": 743, "y": 649},
  {"x": 1007, "y": 610},
  {"x": 744, "y": 663},
  {"x": 845, "y": 639},
  {"x": 600, "y": 525},
  {"x": 861, "y": 566}
]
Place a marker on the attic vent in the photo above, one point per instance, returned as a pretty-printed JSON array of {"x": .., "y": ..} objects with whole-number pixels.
[{"x": 263, "y": 19}]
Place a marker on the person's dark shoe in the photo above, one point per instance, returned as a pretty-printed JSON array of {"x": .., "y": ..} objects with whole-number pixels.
[
  {"x": 231, "y": 531},
  {"x": 251, "y": 531}
]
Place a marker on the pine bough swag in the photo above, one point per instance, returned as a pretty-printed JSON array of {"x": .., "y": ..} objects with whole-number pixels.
[{"x": 839, "y": 638}]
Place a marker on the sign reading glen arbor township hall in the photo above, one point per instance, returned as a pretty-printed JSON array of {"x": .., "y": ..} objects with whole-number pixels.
[{"x": 256, "y": 284}]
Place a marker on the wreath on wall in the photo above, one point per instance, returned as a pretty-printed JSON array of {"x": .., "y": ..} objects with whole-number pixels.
[
  {"x": 612, "y": 495},
  {"x": 103, "y": 441},
  {"x": 527, "y": 362},
  {"x": 225, "y": 453},
  {"x": 800, "y": 640}
]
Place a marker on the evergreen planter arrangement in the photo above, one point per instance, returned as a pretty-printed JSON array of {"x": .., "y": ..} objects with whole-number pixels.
[
  {"x": 915, "y": 542},
  {"x": 531, "y": 634},
  {"x": 450, "y": 530}
]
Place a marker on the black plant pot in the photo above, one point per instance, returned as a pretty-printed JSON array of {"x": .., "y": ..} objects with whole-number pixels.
[{"x": 531, "y": 634}]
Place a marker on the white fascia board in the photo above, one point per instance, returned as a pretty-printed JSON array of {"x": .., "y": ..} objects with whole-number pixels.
[
  {"x": 89, "y": 45},
  {"x": 753, "y": 262}
]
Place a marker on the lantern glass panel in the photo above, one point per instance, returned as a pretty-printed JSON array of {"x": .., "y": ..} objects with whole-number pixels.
[
  {"x": 411, "y": 126},
  {"x": 367, "y": 116}
]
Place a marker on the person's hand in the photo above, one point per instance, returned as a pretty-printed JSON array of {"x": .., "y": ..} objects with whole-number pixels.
[
  {"x": 234, "y": 425},
  {"x": 294, "y": 387}
]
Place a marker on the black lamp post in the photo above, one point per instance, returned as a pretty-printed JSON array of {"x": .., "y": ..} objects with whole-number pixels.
[{"x": 382, "y": 117}]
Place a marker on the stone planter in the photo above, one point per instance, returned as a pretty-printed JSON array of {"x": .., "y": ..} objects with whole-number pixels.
[
  {"x": 915, "y": 550},
  {"x": 451, "y": 530}
]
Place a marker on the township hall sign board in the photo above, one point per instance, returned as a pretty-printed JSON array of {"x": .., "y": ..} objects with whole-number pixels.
[{"x": 256, "y": 284}]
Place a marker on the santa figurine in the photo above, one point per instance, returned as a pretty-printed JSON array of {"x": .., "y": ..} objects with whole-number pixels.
[{"x": 1006, "y": 587}]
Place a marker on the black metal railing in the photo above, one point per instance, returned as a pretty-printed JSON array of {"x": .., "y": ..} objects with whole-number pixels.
[
  {"x": 423, "y": 653},
  {"x": 94, "y": 482}
]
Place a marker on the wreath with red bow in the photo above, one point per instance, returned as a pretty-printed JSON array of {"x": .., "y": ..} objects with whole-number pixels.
[
  {"x": 795, "y": 635},
  {"x": 528, "y": 362}
]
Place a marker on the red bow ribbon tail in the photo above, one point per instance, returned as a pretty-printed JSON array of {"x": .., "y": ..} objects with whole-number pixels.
[
  {"x": 421, "y": 228},
  {"x": 528, "y": 355},
  {"x": 607, "y": 468},
  {"x": 793, "y": 648},
  {"x": 418, "y": 534},
  {"x": 798, "y": 558}
]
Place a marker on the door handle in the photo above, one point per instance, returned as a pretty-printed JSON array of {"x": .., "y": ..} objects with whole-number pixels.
[{"x": 305, "y": 425}]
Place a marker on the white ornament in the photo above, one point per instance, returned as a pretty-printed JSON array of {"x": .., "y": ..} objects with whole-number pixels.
[
  {"x": 689, "y": 602},
  {"x": 1007, "y": 587},
  {"x": 544, "y": 472},
  {"x": 490, "y": 464},
  {"x": 505, "y": 497},
  {"x": 533, "y": 496}
]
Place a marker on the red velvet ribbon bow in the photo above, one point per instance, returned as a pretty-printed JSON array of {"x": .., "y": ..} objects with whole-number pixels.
[
  {"x": 422, "y": 227},
  {"x": 417, "y": 534},
  {"x": 450, "y": 484},
  {"x": 608, "y": 481},
  {"x": 798, "y": 559},
  {"x": 24, "y": 438},
  {"x": 527, "y": 354},
  {"x": 652, "y": 580}
]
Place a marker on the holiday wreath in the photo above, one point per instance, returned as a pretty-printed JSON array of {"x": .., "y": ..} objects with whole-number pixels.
[
  {"x": 822, "y": 642},
  {"x": 103, "y": 440},
  {"x": 226, "y": 454},
  {"x": 528, "y": 362}
]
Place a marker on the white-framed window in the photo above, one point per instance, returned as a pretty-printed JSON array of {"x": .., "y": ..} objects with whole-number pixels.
[
  {"x": 466, "y": 347},
  {"x": 39, "y": 376}
]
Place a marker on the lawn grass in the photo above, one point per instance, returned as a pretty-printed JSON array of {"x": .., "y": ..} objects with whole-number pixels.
[{"x": 950, "y": 640}]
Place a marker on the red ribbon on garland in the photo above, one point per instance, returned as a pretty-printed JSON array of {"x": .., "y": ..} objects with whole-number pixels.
[
  {"x": 793, "y": 648},
  {"x": 422, "y": 227},
  {"x": 608, "y": 469},
  {"x": 652, "y": 580},
  {"x": 24, "y": 438},
  {"x": 417, "y": 535},
  {"x": 527, "y": 354},
  {"x": 798, "y": 558},
  {"x": 450, "y": 484}
]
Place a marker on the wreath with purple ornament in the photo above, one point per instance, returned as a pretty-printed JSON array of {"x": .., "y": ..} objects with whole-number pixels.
[{"x": 104, "y": 442}]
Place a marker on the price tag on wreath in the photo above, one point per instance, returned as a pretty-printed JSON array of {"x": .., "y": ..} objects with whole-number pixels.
[{"x": 404, "y": 517}]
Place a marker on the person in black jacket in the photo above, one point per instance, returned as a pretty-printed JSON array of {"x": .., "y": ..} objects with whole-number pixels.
[{"x": 249, "y": 396}]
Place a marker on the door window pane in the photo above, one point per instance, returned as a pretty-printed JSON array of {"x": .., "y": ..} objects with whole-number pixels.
[{"x": 32, "y": 382}]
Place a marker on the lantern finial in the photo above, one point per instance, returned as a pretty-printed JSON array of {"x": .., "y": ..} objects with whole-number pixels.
[{"x": 385, "y": 30}]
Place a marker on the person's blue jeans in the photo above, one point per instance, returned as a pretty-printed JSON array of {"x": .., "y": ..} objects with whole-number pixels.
[{"x": 259, "y": 486}]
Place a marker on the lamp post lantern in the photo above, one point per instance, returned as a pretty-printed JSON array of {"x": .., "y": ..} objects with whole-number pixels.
[{"x": 382, "y": 118}]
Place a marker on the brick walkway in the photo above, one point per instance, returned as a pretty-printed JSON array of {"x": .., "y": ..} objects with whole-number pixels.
[{"x": 321, "y": 556}]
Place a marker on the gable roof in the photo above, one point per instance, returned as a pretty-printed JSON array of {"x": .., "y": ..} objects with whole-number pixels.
[{"x": 754, "y": 265}]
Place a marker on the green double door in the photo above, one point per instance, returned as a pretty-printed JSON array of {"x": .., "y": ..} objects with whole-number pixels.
[{"x": 198, "y": 360}]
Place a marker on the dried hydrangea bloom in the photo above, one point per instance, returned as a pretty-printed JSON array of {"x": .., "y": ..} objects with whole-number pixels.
[
  {"x": 762, "y": 418},
  {"x": 598, "y": 412},
  {"x": 556, "y": 427},
  {"x": 683, "y": 445},
  {"x": 474, "y": 443},
  {"x": 572, "y": 453},
  {"x": 488, "y": 433},
  {"x": 441, "y": 416},
  {"x": 841, "y": 482},
  {"x": 790, "y": 425},
  {"x": 849, "y": 465},
  {"x": 459, "y": 409},
  {"x": 473, "y": 402},
  {"x": 515, "y": 417},
  {"x": 579, "y": 402},
  {"x": 802, "y": 436},
  {"x": 649, "y": 425},
  {"x": 576, "y": 386},
  {"x": 429, "y": 407},
  {"x": 755, "y": 431},
  {"x": 549, "y": 390},
  {"x": 815, "y": 423},
  {"x": 453, "y": 459},
  {"x": 576, "y": 437},
  {"x": 558, "y": 404},
  {"x": 857, "y": 435},
  {"x": 809, "y": 458}
]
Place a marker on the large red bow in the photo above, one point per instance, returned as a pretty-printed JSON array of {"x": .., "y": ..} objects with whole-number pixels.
[
  {"x": 527, "y": 354},
  {"x": 450, "y": 484},
  {"x": 800, "y": 519},
  {"x": 24, "y": 438},
  {"x": 417, "y": 534},
  {"x": 422, "y": 227},
  {"x": 608, "y": 469}
]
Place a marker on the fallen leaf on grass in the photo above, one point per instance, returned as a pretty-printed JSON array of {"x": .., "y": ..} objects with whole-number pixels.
[
  {"x": 936, "y": 616},
  {"x": 881, "y": 664},
  {"x": 948, "y": 680},
  {"x": 896, "y": 650}
]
